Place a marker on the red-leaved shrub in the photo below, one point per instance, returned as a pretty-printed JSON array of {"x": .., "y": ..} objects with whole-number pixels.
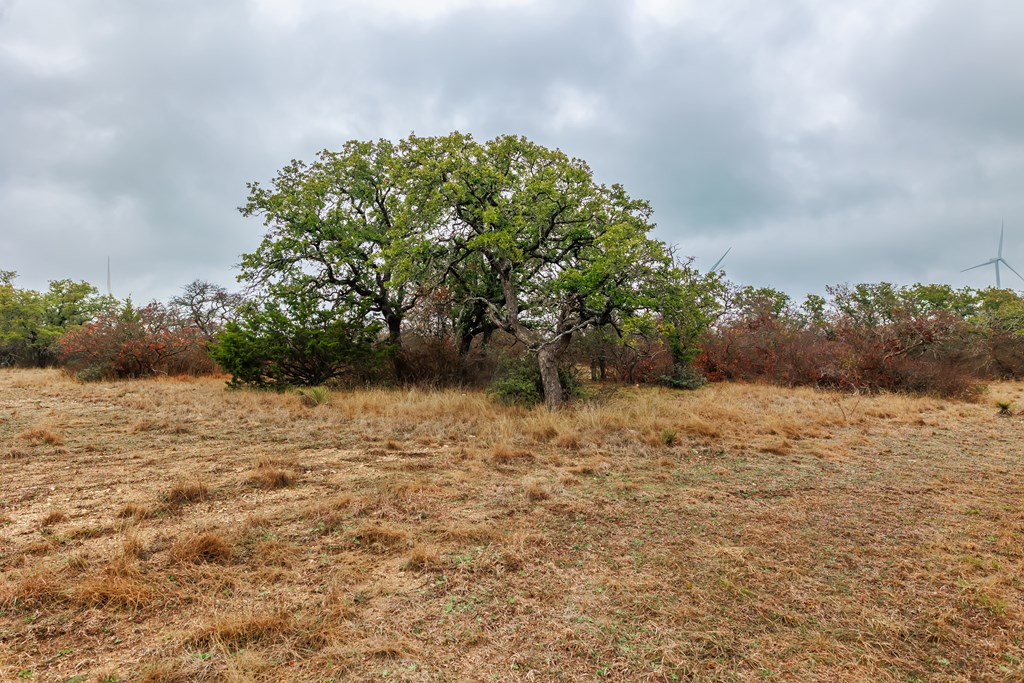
[{"x": 135, "y": 342}]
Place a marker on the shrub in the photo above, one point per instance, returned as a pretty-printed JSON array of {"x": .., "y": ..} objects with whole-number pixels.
[
  {"x": 519, "y": 382},
  {"x": 277, "y": 347},
  {"x": 684, "y": 377},
  {"x": 439, "y": 360},
  {"x": 872, "y": 337},
  {"x": 134, "y": 342}
]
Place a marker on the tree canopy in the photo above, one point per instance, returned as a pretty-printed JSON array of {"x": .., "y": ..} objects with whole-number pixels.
[{"x": 519, "y": 237}]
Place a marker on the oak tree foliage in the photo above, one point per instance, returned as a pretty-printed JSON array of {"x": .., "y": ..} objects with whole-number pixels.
[{"x": 509, "y": 234}]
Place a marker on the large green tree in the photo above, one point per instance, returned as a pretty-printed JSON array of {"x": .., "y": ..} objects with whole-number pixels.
[
  {"x": 507, "y": 235},
  {"x": 343, "y": 229},
  {"x": 566, "y": 252}
]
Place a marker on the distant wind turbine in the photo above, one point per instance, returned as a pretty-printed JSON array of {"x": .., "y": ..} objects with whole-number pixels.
[
  {"x": 719, "y": 261},
  {"x": 996, "y": 261}
]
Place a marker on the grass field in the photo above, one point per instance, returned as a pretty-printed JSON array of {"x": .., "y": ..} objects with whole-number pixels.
[{"x": 175, "y": 531}]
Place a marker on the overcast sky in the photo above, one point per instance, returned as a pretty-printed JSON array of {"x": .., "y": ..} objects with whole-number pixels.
[{"x": 825, "y": 142}]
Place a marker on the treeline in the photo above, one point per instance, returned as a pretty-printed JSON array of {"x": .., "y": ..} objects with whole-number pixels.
[
  {"x": 443, "y": 260},
  {"x": 921, "y": 338},
  {"x": 869, "y": 337},
  {"x": 98, "y": 337}
]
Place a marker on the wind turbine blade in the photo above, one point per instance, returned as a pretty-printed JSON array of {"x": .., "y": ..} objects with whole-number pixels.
[
  {"x": 1002, "y": 228},
  {"x": 980, "y": 265},
  {"x": 1012, "y": 270},
  {"x": 719, "y": 261}
]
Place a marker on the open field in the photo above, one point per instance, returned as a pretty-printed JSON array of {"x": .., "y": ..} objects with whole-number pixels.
[{"x": 174, "y": 531}]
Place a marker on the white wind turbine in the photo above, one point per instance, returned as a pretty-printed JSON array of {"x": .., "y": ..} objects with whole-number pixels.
[
  {"x": 719, "y": 261},
  {"x": 996, "y": 261}
]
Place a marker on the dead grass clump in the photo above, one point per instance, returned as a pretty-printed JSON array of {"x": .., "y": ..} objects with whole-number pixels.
[
  {"x": 53, "y": 517},
  {"x": 119, "y": 584},
  {"x": 569, "y": 441},
  {"x": 34, "y": 590},
  {"x": 41, "y": 435},
  {"x": 473, "y": 533},
  {"x": 275, "y": 554},
  {"x": 269, "y": 477},
  {"x": 165, "y": 671},
  {"x": 501, "y": 454},
  {"x": 386, "y": 649},
  {"x": 536, "y": 490},
  {"x": 379, "y": 537},
  {"x": 136, "y": 511},
  {"x": 236, "y": 631},
  {"x": 422, "y": 557},
  {"x": 206, "y": 547},
  {"x": 15, "y": 453},
  {"x": 185, "y": 492}
]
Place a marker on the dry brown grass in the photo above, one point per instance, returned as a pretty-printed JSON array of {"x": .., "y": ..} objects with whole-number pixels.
[
  {"x": 41, "y": 435},
  {"x": 53, "y": 517},
  {"x": 270, "y": 477},
  {"x": 236, "y": 631},
  {"x": 207, "y": 546},
  {"x": 184, "y": 492},
  {"x": 423, "y": 557},
  {"x": 536, "y": 489},
  {"x": 138, "y": 511},
  {"x": 436, "y": 536}
]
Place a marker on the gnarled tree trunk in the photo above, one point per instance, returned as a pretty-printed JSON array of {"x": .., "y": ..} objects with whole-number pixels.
[{"x": 548, "y": 357}]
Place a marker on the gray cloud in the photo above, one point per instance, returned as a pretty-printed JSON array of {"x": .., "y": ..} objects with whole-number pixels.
[{"x": 825, "y": 142}]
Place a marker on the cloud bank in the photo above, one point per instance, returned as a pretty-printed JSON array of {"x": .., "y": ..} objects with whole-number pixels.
[{"x": 825, "y": 142}]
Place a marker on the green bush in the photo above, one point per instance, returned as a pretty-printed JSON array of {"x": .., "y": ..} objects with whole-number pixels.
[
  {"x": 276, "y": 347},
  {"x": 519, "y": 383},
  {"x": 684, "y": 377}
]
